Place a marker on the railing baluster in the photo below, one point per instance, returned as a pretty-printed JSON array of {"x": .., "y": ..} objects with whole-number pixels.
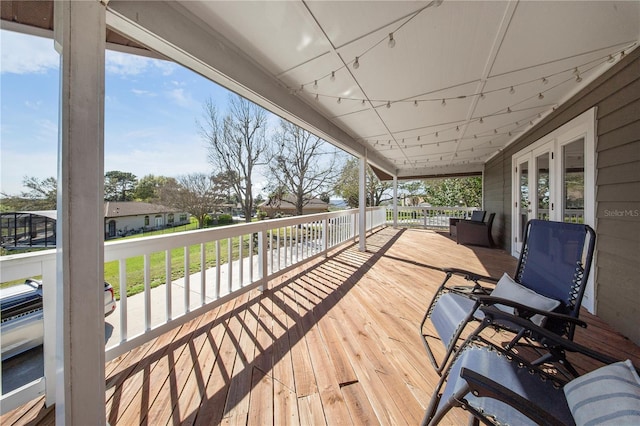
[
  {"x": 203, "y": 274},
  {"x": 251, "y": 258},
  {"x": 229, "y": 265},
  {"x": 187, "y": 283},
  {"x": 217, "y": 285},
  {"x": 240, "y": 260},
  {"x": 122, "y": 271},
  {"x": 278, "y": 248},
  {"x": 168, "y": 284},
  {"x": 147, "y": 292}
]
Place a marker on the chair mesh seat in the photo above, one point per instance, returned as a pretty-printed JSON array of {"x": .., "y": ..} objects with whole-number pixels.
[
  {"x": 450, "y": 312},
  {"x": 510, "y": 375}
]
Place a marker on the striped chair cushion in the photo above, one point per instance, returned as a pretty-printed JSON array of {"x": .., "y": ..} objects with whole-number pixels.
[{"x": 609, "y": 395}]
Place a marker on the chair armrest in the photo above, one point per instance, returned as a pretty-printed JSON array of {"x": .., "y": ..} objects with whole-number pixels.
[
  {"x": 476, "y": 288},
  {"x": 547, "y": 338},
  {"x": 482, "y": 386},
  {"x": 527, "y": 311}
]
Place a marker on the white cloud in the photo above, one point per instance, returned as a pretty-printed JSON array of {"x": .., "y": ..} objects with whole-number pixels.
[
  {"x": 182, "y": 98},
  {"x": 140, "y": 92},
  {"x": 126, "y": 64},
  {"x": 33, "y": 104},
  {"x": 23, "y": 54}
]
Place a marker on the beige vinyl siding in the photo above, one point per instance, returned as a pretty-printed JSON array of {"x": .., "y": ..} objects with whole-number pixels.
[{"x": 616, "y": 94}]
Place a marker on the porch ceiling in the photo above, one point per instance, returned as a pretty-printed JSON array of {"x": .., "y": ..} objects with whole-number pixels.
[
  {"x": 452, "y": 51},
  {"x": 464, "y": 79}
]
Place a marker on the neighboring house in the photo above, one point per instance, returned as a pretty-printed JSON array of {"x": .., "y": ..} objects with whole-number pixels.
[
  {"x": 130, "y": 217},
  {"x": 286, "y": 206}
]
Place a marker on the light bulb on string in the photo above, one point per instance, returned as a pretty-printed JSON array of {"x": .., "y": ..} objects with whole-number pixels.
[
  {"x": 540, "y": 96},
  {"x": 512, "y": 90},
  {"x": 611, "y": 59},
  {"x": 544, "y": 80},
  {"x": 481, "y": 120},
  {"x": 415, "y": 103},
  {"x": 315, "y": 84},
  {"x": 578, "y": 78},
  {"x": 392, "y": 42},
  {"x": 339, "y": 100},
  {"x": 356, "y": 64},
  {"x": 317, "y": 98},
  {"x": 333, "y": 76},
  {"x": 388, "y": 104},
  {"x": 443, "y": 103},
  {"x": 482, "y": 95}
]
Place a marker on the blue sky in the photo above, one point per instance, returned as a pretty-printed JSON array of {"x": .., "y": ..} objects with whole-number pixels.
[{"x": 151, "y": 107}]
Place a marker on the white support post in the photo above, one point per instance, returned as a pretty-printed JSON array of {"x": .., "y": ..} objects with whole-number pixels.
[
  {"x": 49, "y": 311},
  {"x": 395, "y": 202},
  {"x": 80, "y": 389},
  {"x": 362, "y": 222}
]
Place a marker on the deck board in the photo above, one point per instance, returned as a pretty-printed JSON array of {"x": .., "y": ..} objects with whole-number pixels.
[{"x": 333, "y": 342}]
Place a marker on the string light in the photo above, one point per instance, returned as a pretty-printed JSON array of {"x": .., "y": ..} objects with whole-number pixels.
[
  {"x": 356, "y": 64},
  {"x": 317, "y": 98},
  {"x": 392, "y": 42},
  {"x": 611, "y": 59},
  {"x": 512, "y": 90},
  {"x": 443, "y": 103},
  {"x": 333, "y": 76},
  {"x": 578, "y": 78},
  {"x": 482, "y": 95},
  {"x": 339, "y": 100},
  {"x": 388, "y": 104},
  {"x": 544, "y": 80},
  {"x": 540, "y": 96},
  {"x": 315, "y": 84},
  {"x": 481, "y": 120},
  {"x": 415, "y": 103}
]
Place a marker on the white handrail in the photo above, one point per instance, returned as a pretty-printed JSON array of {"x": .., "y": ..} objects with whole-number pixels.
[{"x": 280, "y": 246}]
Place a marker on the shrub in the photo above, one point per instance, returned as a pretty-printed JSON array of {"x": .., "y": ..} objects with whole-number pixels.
[{"x": 225, "y": 219}]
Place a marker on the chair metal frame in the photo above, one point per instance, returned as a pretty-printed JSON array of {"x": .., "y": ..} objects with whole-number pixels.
[
  {"x": 476, "y": 294},
  {"x": 479, "y": 385}
]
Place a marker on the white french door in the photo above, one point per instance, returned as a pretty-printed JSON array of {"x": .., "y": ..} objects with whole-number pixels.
[
  {"x": 533, "y": 177},
  {"x": 554, "y": 179}
]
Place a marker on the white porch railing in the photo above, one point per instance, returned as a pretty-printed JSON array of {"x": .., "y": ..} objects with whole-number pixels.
[
  {"x": 227, "y": 262},
  {"x": 428, "y": 217}
]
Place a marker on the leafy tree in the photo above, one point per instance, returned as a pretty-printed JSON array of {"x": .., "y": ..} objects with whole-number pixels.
[
  {"x": 413, "y": 192},
  {"x": 347, "y": 185},
  {"x": 197, "y": 194},
  {"x": 301, "y": 164},
  {"x": 465, "y": 192},
  {"x": 119, "y": 186},
  {"x": 236, "y": 144},
  {"x": 41, "y": 195},
  {"x": 149, "y": 188}
]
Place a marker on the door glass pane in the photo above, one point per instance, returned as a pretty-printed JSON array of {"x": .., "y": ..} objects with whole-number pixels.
[
  {"x": 542, "y": 167},
  {"x": 524, "y": 195},
  {"x": 573, "y": 182}
]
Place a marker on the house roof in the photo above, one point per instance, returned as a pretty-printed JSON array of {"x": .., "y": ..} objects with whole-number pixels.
[{"x": 133, "y": 208}]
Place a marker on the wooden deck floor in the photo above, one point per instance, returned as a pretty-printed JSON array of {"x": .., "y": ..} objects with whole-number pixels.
[{"x": 334, "y": 343}]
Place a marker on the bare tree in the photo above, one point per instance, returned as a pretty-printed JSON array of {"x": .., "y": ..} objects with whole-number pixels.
[
  {"x": 347, "y": 185},
  {"x": 236, "y": 144},
  {"x": 302, "y": 164},
  {"x": 196, "y": 193}
]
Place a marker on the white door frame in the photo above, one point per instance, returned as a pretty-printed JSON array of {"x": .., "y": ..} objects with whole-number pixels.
[{"x": 583, "y": 126}]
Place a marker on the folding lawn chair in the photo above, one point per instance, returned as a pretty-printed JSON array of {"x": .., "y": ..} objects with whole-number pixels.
[
  {"x": 549, "y": 284},
  {"x": 498, "y": 387}
]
